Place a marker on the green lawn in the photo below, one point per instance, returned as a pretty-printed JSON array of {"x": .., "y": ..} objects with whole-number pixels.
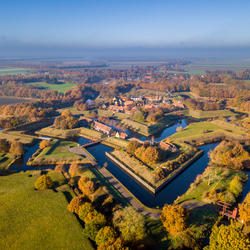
[
  {"x": 59, "y": 87},
  {"x": 37, "y": 219},
  {"x": 116, "y": 142},
  {"x": 5, "y": 160},
  {"x": 12, "y": 71},
  {"x": 100, "y": 112},
  {"x": 203, "y": 131},
  {"x": 23, "y": 138},
  {"x": 208, "y": 114},
  {"x": 58, "y": 152},
  {"x": 211, "y": 180}
]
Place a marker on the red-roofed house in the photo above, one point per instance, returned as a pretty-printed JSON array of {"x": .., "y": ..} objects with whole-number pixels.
[
  {"x": 103, "y": 128},
  {"x": 121, "y": 134}
]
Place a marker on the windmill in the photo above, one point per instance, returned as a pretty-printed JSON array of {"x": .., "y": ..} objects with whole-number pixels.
[{"x": 169, "y": 93}]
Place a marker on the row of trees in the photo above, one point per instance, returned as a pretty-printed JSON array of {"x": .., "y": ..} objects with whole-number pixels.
[
  {"x": 66, "y": 120},
  {"x": 14, "y": 147}
]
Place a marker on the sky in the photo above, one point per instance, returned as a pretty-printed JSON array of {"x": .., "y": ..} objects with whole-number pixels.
[{"x": 80, "y": 27}]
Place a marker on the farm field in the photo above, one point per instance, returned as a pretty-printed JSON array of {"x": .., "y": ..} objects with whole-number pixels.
[
  {"x": 59, "y": 87},
  {"x": 12, "y": 71},
  {"x": 43, "y": 212}
]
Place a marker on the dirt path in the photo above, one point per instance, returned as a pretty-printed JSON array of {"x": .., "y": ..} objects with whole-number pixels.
[
  {"x": 117, "y": 185},
  {"x": 194, "y": 204}
]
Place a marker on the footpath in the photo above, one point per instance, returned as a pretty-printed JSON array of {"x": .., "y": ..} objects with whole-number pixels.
[{"x": 117, "y": 185}]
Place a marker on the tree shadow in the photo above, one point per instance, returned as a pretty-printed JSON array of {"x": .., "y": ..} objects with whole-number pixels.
[
  {"x": 68, "y": 196},
  {"x": 55, "y": 145}
]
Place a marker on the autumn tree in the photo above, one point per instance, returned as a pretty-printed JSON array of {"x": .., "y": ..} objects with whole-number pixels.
[
  {"x": 16, "y": 147},
  {"x": 179, "y": 129},
  {"x": 244, "y": 210},
  {"x": 60, "y": 167},
  {"x": 230, "y": 154},
  {"x": 89, "y": 188},
  {"x": 130, "y": 223},
  {"x": 93, "y": 114},
  {"x": 82, "y": 181},
  {"x": 151, "y": 155},
  {"x": 4, "y": 146},
  {"x": 44, "y": 144},
  {"x": 43, "y": 182},
  {"x": 104, "y": 235},
  {"x": 228, "y": 237},
  {"x": 132, "y": 146},
  {"x": 66, "y": 113},
  {"x": 84, "y": 210},
  {"x": 74, "y": 169},
  {"x": 112, "y": 244},
  {"x": 76, "y": 203},
  {"x": 174, "y": 218}
]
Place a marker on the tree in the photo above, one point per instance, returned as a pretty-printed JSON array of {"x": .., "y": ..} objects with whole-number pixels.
[
  {"x": 174, "y": 218},
  {"x": 93, "y": 114},
  {"x": 43, "y": 182},
  {"x": 16, "y": 147},
  {"x": 66, "y": 113},
  {"x": 117, "y": 244},
  {"x": 73, "y": 169},
  {"x": 76, "y": 203},
  {"x": 84, "y": 210},
  {"x": 236, "y": 187},
  {"x": 132, "y": 146},
  {"x": 139, "y": 116},
  {"x": 60, "y": 167},
  {"x": 151, "y": 155},
  {"x": 105, "y": 234},
  {"x": 179, "y": 129},
  {"x": 4, "y": 146},
  {"x": 244, "y": 210},
  {"x": 82, "y": 181},
  {"x": 230, "y": 154},
  {"x": 228, "y": 237},
  {"x": 89, "y": 188},
  {"x": 44, "y": 144},
  {"x": 130, "y": 223}
]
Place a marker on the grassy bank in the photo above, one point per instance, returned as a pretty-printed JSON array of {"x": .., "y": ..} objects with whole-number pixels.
[
  {"x": 58, "y": 152},
  {"x": 206, "y": 132},
  {"x": 23, "y": 138},
  {"x": 115, "y": 142},
  {"x": 100, "y": 112},
  {"x": 6, "y": 160},
  {"x": 43, "y": 214},
  {"x": 207, "y": 114},
  {"x": 68, "y": 133}
]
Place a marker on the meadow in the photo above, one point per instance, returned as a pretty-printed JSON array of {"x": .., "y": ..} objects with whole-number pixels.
[
  {"x": 58, "y": 152},
  {"x": 37, "y": 219},
  {"x": 63, "y": 87},
  {"x": 12, "y": 71}
]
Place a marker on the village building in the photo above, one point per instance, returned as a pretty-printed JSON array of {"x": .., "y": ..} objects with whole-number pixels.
[
  {"x": 121, "y": 134},
  {"x": 178, "y": 105},
  {"x": 168, "y": 146},
  {"x": 85, "y": 120},
  {"x": 103, "y": 128},
  {"x": 116, "y": 108}
]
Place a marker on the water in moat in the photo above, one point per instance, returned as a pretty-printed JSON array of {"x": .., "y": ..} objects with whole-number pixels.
[{"x": 176, "y": 188}]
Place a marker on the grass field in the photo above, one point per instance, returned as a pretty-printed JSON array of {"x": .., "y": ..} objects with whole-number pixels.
[
  {"x": 116, "y": 142},
  {"x": 58, "y": 152},
  {"x": 59, "y": 87},
  {"x": 32, "y": 219},
  {"x": 217, "y": 181},
  {"x": 207, "y": 114},
  {"x": 136, "y": 126},
  {"x": 100, "y": 112},
  {"x": 12, "y": 71},
  {"x": 206, "y": 131},
  {"x": 67, "y": 133},
  {"x": 5, "y": 160},
  {"x": 23, "y": 138}
]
